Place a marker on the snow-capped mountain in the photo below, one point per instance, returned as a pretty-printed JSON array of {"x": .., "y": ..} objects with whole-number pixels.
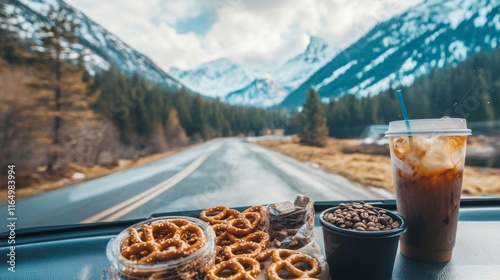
[
  {"x": 215, "y": 78},
  {"x": 99, "y": 47},
  {"x": 230, "y": 81},
  {"x": 299, "y": 68},
  {"x": 433, "y": 34},
  {"x": 262, "y": 92}
]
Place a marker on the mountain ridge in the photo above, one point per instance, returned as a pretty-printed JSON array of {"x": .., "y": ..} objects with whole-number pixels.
[
  {"x": 100, "y": 47},
  {"x": 433, "y": 34},
  {"x": 215, "y": 79}
]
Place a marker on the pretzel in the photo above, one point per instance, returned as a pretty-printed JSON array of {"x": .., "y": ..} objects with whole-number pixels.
[
  {"x": 218, "y": 214},
  {"x": 240, "y": 226},
  {"x": 255, "y": 209},
  {"x": 221, "y": 235},
  {"x": 288, "y": 265},
  {"x": 237, "y": 266},
  {"x": 244, "y": 249},
  {"x": 276, "y": 254},
  {"x": 162, "y": 241},
  {"x": 260, "y": 237}
]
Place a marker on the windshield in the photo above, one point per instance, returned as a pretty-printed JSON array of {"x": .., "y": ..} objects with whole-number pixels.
[{"x": 115, "y": 110}]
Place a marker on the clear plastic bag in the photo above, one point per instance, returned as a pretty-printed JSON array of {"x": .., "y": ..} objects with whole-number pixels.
[{"x": 291, "y": 224}]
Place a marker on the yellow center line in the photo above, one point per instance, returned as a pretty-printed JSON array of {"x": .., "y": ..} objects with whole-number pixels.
[{"x": 125, "y": 207}]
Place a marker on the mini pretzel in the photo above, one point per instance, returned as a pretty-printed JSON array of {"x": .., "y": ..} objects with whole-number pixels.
[
  {"x": 193, "y": 237},
  {"x": 288, "y": 264},
  {"x": 237, "y": 267},
  {"x": 259, "y": 237},
  {"x": 221, "y": 214},
  {"x": 240, "y": 226},
  {"x": 221, "y": 235},
  {"x": 162, "y": 241},
  {"x": 276, "y": 254},
  {"x": 250, "y": 249},
  {"x": 253, "y": 217},
  {"x": 255, "y": 209}
]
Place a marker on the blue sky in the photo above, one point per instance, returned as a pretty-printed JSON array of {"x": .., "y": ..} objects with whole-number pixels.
[{"x": 260, "y": 34}]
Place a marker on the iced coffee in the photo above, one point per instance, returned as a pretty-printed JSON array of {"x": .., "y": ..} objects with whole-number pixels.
[{"x": 428, "y": 160}]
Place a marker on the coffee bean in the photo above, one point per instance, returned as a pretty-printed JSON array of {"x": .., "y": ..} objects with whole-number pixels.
[
  {"x": 373, "y": 218},
  {"x": 357, "y": 205},
  {"x": 362, "y": 217},
  {"x": 359, "y": 224},
  {"x": 373, "y": 229}
]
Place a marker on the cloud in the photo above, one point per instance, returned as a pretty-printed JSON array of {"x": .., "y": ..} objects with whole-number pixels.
[{"x": 261, "y": 34}]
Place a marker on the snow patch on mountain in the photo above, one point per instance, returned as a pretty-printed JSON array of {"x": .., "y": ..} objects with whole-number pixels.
[
  {"x": 262, "y": 92},
  {"x": 216, "y": 78},
  {"x": 337, "y": 73},
  {"x": 458, "y": 50},
  {"x": 298, "y": 69}
]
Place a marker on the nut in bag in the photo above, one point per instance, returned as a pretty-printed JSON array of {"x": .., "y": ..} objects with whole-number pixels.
[{"x": 291, "y": 224}]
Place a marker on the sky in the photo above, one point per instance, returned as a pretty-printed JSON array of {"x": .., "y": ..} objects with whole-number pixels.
[{"x": 260, "y": 34}]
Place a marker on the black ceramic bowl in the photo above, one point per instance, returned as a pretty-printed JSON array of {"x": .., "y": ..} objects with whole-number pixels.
[{"x": 353, "y": 254}]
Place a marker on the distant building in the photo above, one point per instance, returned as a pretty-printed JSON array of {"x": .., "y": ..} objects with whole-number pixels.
[{"x": 375, "y": 131}]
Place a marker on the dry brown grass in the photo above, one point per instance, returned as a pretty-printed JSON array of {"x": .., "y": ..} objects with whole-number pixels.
[{"x": 375, "y": 170}]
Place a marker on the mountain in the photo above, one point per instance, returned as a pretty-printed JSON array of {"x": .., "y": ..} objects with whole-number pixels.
[
  {"x": 298, "y": 69},
  {"x": 262, "y": 92},
  {"x": 433, "y": 34},
  {"x": 215, "y": 78},
  {"x": 230, "y": 81},
  {"x": 100, "y": 48}
]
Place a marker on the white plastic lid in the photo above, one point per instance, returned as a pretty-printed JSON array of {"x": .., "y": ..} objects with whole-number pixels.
[{"x": 446, "y": 126}]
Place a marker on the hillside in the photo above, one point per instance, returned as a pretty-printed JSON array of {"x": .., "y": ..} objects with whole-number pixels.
[
  {"x": 100, "y": 47},
  {"x": 434, "y": 34}
]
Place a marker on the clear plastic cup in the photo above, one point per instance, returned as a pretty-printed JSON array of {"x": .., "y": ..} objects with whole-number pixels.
[
  {"x": 193, "y": 266},
  {"x": 427, "y": 162}
]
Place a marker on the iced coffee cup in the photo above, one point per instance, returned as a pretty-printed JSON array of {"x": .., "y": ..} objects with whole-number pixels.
[{"x": 427, "y": 159}]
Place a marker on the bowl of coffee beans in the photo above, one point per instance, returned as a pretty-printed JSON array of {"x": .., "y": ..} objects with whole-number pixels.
[{"x": 361, "y": 240}]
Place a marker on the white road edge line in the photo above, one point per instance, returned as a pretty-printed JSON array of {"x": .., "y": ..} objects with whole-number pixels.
[{"x": 123, "y": 208}]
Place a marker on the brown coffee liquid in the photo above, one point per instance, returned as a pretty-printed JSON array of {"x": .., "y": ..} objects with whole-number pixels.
[{"x": 429, "y": 199}]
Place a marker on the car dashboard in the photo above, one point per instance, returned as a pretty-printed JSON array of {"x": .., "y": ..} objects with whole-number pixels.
[{"x": 79, "y": 251}]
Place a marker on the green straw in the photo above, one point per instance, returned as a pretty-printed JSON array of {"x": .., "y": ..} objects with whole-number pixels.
[{"x": 405, "y": 115}]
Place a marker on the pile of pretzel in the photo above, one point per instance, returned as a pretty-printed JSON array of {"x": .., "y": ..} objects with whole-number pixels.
[
  {"x": 242, "y": 245},
  {"x": 162, "y": 241}
]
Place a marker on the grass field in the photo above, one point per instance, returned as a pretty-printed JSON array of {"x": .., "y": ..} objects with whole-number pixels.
[{"x": 346, "y": 158}]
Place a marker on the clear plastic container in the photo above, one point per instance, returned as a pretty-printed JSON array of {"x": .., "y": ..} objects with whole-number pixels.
[{"x": 193, "y": 266}]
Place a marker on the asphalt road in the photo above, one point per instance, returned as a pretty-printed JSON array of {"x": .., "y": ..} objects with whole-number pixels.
[{"x": 220, "y": 172}]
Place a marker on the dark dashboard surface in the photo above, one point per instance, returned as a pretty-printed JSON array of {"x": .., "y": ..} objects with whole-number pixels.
[{"x": 78, "y": 251}]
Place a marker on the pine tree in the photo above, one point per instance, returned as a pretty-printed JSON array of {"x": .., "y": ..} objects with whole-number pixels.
[
  {"x": 199, "y": 118},
  {"x": 10, "y": 46},
  {"x": 61, "y": 75},
  {"x": 174, "y": 132},
  {"x": 313, "y": 131}
]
